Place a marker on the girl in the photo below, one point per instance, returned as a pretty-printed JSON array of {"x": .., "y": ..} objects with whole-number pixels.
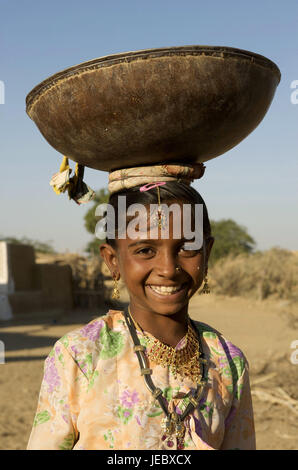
[{"x": 148, "y": 377}]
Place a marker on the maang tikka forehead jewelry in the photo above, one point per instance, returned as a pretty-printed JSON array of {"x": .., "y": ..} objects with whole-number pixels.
[{"x": 160, "y": 218}]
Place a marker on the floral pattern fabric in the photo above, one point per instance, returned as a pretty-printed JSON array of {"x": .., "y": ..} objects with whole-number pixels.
[{"x": 93, "y": 397}]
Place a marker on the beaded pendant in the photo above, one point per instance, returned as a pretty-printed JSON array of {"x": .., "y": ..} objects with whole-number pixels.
[{"x": 173, "y": 426}]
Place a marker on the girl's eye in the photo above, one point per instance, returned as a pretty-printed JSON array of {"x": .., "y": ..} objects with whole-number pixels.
[{"x": 145, "y": 251}]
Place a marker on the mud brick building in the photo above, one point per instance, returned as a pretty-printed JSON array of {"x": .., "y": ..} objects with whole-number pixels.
[{"x": 29, "y": 287}]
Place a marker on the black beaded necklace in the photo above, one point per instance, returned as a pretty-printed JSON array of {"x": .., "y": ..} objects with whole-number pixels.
[{"x": 173, "y": 423}]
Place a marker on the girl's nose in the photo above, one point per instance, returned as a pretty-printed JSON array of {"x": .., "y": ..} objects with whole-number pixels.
[{"x": 166, "y": 265}]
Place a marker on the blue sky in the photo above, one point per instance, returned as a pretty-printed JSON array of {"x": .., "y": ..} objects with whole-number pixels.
[{"x": 255, "y": 183}]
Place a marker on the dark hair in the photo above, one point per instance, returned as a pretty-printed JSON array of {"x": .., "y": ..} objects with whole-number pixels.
[{"x": 171, "y": 191}]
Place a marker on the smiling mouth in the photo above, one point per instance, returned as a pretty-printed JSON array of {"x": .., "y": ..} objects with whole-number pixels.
[{"x": 167, "y": 290}]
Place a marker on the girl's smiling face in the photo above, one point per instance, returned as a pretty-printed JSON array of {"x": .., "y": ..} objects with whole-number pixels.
[{"x": 149, "y": 269}]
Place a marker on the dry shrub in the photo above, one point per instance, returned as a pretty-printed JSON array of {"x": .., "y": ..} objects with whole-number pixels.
[{"x": 272, "y": 273}]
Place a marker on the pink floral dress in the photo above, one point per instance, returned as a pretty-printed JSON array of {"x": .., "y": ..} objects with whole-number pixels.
[{"x": 93, "y": 396}]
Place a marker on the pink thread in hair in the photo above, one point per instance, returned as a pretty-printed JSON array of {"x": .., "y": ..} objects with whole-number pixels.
[{"x": 148, "y": 186}]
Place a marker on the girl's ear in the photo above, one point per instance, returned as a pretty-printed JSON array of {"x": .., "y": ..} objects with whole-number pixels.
[{"x": 109, "y": 255}]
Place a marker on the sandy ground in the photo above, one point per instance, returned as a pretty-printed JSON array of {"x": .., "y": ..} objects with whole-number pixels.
[{"x": 263, "y": 330}]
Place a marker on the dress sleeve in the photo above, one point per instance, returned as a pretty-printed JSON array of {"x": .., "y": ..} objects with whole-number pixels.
[
  {"x": 54, "y": 426},
  {"x": 239, "y": 424}
]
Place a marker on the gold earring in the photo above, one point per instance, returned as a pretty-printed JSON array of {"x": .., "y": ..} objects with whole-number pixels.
[
  {"x": 206, "y": 288},
  {"x": 178, "y": 268},
  {"x": 116, "y": 293}
]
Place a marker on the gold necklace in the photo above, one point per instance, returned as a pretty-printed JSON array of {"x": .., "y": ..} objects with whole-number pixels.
[{"x": 184, "y": 362}]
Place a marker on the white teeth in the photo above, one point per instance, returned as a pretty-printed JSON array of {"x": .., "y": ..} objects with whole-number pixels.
[{"x": 165, "y": 290}]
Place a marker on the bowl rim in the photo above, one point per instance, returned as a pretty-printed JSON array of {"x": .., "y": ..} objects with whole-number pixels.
[{"x": 114, "y": 59}]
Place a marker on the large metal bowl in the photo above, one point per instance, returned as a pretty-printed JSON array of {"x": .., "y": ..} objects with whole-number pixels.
[{"x": 188, "y": 104}]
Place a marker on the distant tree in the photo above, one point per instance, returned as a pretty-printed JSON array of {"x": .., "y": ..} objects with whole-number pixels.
[
  {"x": 230, "y": 238},
  {"x": 101, "y": 197},
  {"x": 93, "y": 247},
  {"x": 41, "y": 247}
]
